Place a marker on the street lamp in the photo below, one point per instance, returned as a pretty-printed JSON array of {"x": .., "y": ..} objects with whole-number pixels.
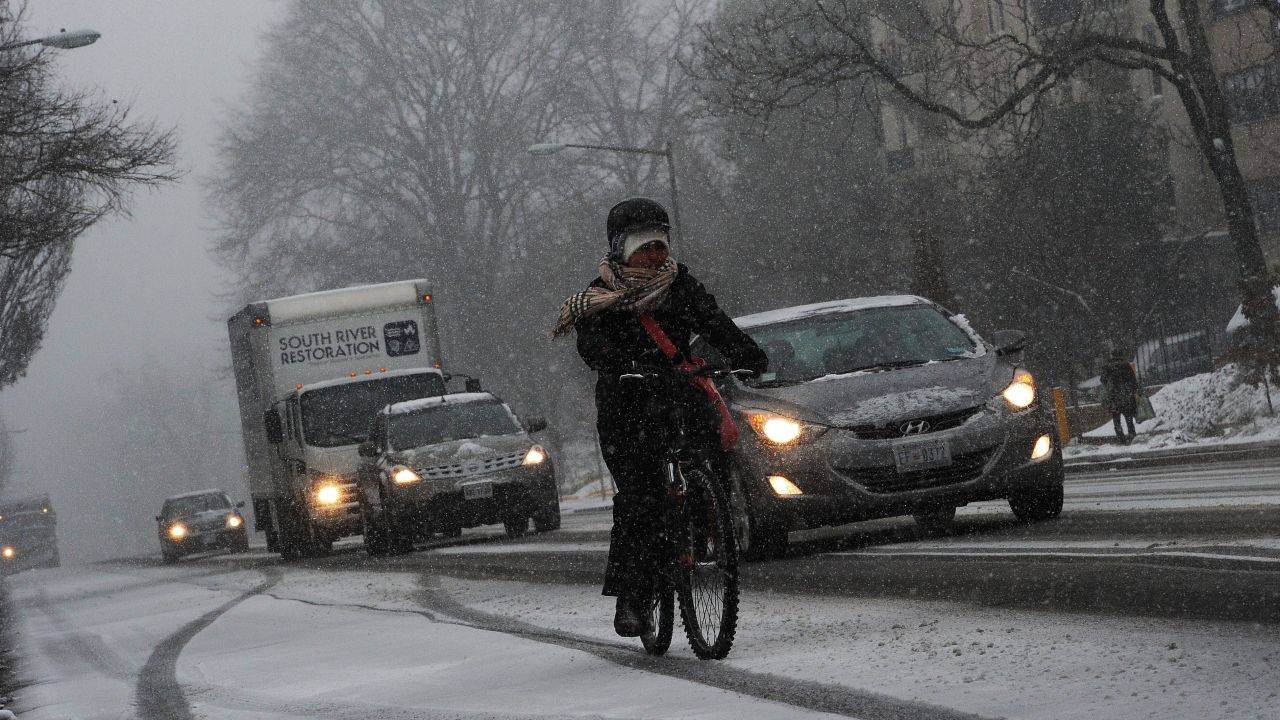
[
  {"x": 63, "y": 40},
  {"x": 665, "y": 151}
]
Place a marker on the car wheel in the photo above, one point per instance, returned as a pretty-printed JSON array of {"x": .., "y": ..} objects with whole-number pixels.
[
  {"x": 547, "y": 520},
  {"x": 1037, "y": 504},
  {"x": 516, "y": 525},
  {"x": 935, "y": 521},
  {"x": 757, "y": 538}
]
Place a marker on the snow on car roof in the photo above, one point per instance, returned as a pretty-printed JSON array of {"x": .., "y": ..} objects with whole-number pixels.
[
  {"x": 409, "y": 406},
  {"x": 798, "y": 312},
  {"x": 197, "y": 493}
]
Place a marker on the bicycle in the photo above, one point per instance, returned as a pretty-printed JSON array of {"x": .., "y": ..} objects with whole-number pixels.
[{"x": 699, "y": 562}]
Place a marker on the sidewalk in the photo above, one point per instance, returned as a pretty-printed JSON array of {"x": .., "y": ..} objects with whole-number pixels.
[{"x": 1107, "y": 457}]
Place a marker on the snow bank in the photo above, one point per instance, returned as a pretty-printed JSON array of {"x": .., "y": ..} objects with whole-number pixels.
[{"x": 1211, "y": 407}]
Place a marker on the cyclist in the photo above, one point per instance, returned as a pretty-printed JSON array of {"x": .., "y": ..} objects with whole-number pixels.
[{"x": 642, "y": 310}]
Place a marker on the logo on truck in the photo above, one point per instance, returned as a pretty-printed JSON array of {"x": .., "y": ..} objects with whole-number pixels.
[{"x": 401, "y": 338}]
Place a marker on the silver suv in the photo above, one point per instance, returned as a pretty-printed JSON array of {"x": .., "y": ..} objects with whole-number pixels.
[{"x": 444, "y": 463}]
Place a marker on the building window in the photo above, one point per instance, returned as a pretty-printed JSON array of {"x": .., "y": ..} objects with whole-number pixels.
[{"x": 1253, "y": 93}]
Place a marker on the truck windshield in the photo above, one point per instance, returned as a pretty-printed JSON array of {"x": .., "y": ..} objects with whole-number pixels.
[
  {"x": 449, "y": 422},
  {"x": 341, "y": 414}
]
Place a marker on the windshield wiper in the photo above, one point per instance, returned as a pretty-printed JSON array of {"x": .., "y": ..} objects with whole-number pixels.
[{"x": 891, "y": 365}]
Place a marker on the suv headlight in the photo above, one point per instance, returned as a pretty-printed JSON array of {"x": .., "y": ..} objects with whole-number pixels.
[
  {"x": 1020, "y": 393},
  {"x": 402, "y": 475},
  {"x": 781, "y": 430},
  {"x": 234, "y": 521},
  {"x": 535, "y": 455},
  {"x": 177, "y": 531}
]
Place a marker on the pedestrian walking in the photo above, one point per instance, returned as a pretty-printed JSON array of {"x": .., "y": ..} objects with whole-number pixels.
[{"x": 1120, "y": 393}]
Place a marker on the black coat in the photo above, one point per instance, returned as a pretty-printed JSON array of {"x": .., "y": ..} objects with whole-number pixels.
[
  {"x": 611, "y": 341},
  {"x": 1122, "y": 387}
]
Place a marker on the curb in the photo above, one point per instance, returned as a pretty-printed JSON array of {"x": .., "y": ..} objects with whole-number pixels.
[{"x": 1159, "y": 458}]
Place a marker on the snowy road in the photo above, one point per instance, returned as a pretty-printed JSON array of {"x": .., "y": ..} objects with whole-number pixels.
[{"x": 867, "y": 622}]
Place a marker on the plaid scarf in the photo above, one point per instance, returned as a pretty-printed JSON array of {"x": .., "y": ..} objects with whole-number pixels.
[{"x": 632, "y": 289}]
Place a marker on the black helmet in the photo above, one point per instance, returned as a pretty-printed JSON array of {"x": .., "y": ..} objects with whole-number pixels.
[{"x": 635, "y": 214}]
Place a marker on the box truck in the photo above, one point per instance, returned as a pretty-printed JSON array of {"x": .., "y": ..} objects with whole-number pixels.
[{"x": 311, "y": 372}]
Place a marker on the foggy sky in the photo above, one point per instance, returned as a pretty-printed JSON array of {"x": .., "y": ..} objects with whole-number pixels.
[{"x": 141, "y": 291}]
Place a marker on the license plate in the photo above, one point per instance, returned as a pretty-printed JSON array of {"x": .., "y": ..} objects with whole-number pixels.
[
  {"x": 922, "y": 455},
  {"x": 477, "y": 491}
]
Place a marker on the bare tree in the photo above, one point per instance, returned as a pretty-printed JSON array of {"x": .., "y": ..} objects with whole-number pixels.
[
  {"x": 67, "y": 160},
  {"x": 983, "y": 65}
]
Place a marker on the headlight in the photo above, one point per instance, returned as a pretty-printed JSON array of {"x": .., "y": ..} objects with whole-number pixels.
[
  {"x": 1021, "y": 391},
  {"x": 7, "y": 552},
  {"x": 782, "y": 486},
  {"x": 780, "y": 430},
  {"x": 402, "y": 475},
  {"x": 328, "y": 494},
  {"x": 1042, "y": 448},
  {"x": 234, "y": 521},
  {"x": 535, "y": 455},
  {"x": 177, "y": 531}
]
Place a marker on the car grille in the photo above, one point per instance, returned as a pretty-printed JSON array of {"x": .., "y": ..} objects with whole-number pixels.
[
  {"x": 886, "y": 479},
  {"x": 945, "y": 421},
  {"x": 468, "y": 468}
]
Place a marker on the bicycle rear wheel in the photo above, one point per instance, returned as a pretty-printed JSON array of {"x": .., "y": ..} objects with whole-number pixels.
[
  {"x": 662, "y": 613},
  {"x": 706, "y": 566}
]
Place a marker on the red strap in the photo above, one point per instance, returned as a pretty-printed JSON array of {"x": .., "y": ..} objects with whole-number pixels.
[{"x": 728, "y": 429}]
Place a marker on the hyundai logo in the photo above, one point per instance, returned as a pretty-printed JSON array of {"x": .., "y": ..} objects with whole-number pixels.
[{"x": 914, "y": 427}]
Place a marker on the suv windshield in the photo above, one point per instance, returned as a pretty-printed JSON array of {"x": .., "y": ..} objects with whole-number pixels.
[
  {"x": 183, "y": 506},
  {"x": 340, "y": 415},
  {"x": 448, "y": 422},
  {"x": 874, "y": 339}
]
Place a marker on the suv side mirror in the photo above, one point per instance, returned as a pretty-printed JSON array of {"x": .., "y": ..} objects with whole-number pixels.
[
  {"x": 159, "y": 518},
  {"x": 1009, "y": 342},
  {"x": 240, "y": 504},
  {"x": 274, "y": 427},
  {"x": 472, "y": 385},
  {"x": 368, "y": 449},
  {"x": 534, "y": 423}
]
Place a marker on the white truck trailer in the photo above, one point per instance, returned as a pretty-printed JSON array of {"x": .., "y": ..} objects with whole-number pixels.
[{"x": 311, "y": 372}]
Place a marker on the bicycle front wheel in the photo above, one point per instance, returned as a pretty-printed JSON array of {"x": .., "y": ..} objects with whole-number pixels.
[
  {"x": 706, "y": 572},
  {"x": 662, "y": 612}
]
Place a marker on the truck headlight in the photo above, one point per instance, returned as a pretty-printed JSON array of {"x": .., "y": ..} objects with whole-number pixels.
[
  {"x": 781, "y": 430},
  {"x": 328, "y": 494},
  {"x": 535, "y": 455},
  {"x": 234, "y": 521},
  {"x": 1021, "y": 391},
  {"x": 402, "y": 475},
  {"x": 177, "y": 531}
]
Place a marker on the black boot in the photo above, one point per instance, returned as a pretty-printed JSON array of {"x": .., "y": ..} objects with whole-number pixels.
[{"x": 631, "y": 618}]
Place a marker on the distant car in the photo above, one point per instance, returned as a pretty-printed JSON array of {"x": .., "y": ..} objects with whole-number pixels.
[
  {"x": 884, "y": 406},
  {"x": 28, "y": 535},
  {"x": 444, "y": 463},
  {"x": 199, "y": 522}
]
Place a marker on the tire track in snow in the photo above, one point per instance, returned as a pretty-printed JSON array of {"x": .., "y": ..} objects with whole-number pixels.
[
  {"x": 158, "y": 695},
  {"x": 807, "y": 695}
]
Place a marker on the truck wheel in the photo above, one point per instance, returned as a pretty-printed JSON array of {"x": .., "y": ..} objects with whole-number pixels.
[
  {"x": 375, "y": 536},
  {"x": 548, "y": 519}
]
